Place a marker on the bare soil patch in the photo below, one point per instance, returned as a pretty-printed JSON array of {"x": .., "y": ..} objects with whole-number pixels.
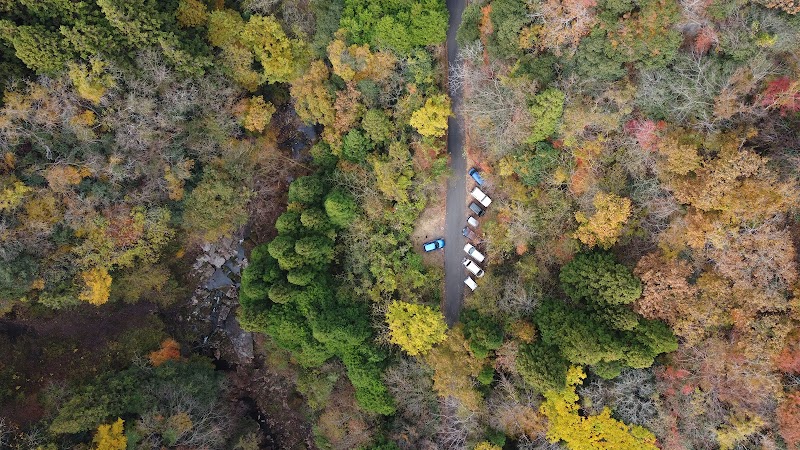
[{"x": 430, "y": 226}]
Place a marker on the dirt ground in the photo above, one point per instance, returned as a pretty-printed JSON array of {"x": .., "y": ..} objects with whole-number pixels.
[{"x": 430, "y": 226}]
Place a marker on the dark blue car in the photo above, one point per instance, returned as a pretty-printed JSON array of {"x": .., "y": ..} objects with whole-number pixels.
[
  {"x": 433, "y": 245},
  {"x": 476, "y": 176}
]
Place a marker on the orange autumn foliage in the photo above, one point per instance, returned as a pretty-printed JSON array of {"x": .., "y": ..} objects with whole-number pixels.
[
  {"x": 788, "y": 361},
  {"x": 170, "y": 351},
  {"x": 788, "y": 413}
]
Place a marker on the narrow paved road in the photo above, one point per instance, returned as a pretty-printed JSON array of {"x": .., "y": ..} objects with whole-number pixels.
[{"x": 456, "y": 185}]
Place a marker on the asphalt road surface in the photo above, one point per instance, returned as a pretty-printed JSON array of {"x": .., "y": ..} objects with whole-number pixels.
[{"x": 456, "y": 213}]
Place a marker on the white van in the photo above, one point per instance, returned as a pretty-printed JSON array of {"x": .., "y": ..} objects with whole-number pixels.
[
  {"x": 481, "y": 197},
  {"x": 472, "y": 222},
  {"x": 471, "y": 284},
  {"x": 472, "y": 251},
  {"x": 472, "y": 267}
]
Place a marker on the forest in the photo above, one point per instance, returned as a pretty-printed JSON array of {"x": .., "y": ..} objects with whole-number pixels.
[{"x": 212, "y": 215}]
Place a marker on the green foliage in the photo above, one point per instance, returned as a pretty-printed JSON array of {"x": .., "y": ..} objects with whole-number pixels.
[
  {"x": 599, "y": 328},
  {"x": 341, "y": 208},
  {"x": 399, "y": 25},
  {"x": 364, "y": 371},
  {"x": 327, "y": 14},
  {"x": 539, "y": 68},
  {"x": 376, "y": 125},
  {"x": 46, "y": 38},
  {"x": 316, "y": 387},
  {"x": 134, "y": 391},
  {"x": 419, "y": 69},
  {"x": 40, "y": 49},
  {"x": 486, "y": 376},
  {"x": 536, "y": 166},
  {"x": 542, "y": 366},
  {"x": 307, "y": 190},
  {"x": 303, "y": 315},
  {"x": 468, "y": 31},
  {"x": 598, "y": 278},
  {"x": 508, "y": 17},
  {"x": 616, "y": 7},
  {"x": 645, "y": 37},
  {"x": 216, "y": 206},
  {"x": 323, "y": 157},
  {"x": 356, "y": 146},
  {"x": 596, "y": 60},
  {"x": 483, "y": 333},
  {"x": 546, "y": 109}
]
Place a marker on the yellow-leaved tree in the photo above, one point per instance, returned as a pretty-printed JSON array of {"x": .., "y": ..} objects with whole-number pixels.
[
  {"x": 604, "y": 227},
  {"x": 431, "y": 119},
  {"x": 257, "y": 114},
  {"x": 97, "y": 287},
  {"x": 92, "y": 81},
  {"x": 455, "y": 370},
  {"x": 415, "y": 328},
  {"x": 110, "y": 436},
  {"x": 12, "y": 192},
  {"x": 191, "y": 13},
  {"x": 485, "y": 445},
  {"x": 600, "y": 432}
]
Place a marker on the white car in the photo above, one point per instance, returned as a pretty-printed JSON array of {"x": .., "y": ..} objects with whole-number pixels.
[
  {"x": 473, "y": 222},
  {"x": 481, "y": 197},
  {"x": 471, "y": 284},
  {"x": 472, "y": 251},
  {"x": 472, "y": 267}
]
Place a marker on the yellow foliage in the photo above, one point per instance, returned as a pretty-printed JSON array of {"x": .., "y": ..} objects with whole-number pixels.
[
  {"x": 604, "y": 227},
  {"x": 97, "y": 288},
  {"x": 313, "y": 100},
  {"x": 191, "y": 13},
  {"x": 740, "y": 426},
  {"x": 176, "y": 176},
  {"x": 110, "y": 437},
  {"x": 12, "y": 193},
  {"x": 455, "y": 369},
  {"x": 485, "y": 445},
  {"x": 86, "y": 118},
  {"x": 600, "y": 432},
  {"x": 224, "y": 27},
  {"x": 180, "y": 423},
  {"x": 431, "y": 119},
  {"x": 258, "y": 114},
  {"x": 42, "y": 211},
  {"x": 91, "y": 82},
  {"x": 240, "y": 60},
  {"x": 680, "y": 158},
  {"x": 357, "y": 62},
  {"x": 415, "y": 328}
]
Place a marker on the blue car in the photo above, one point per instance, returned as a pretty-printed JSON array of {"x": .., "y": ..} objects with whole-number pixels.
[
  {"x": 433, "y": 245},
  {"x": 476, "y": 176}
]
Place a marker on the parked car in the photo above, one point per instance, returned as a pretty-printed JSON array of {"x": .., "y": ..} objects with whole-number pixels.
[
  {"x": 472, "y": 267},
  {"x": 473, "y": 222},
  {"x": 471, "y": 284},
  {"x": 477, "y": 209},
  {"x": 478, "y": 195},
  {"x": 433, "y": 245},
  {"x": 473, "y": 172},
  {"x": 474, "y": 253},
  {"x": 469, "y": 234}
]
